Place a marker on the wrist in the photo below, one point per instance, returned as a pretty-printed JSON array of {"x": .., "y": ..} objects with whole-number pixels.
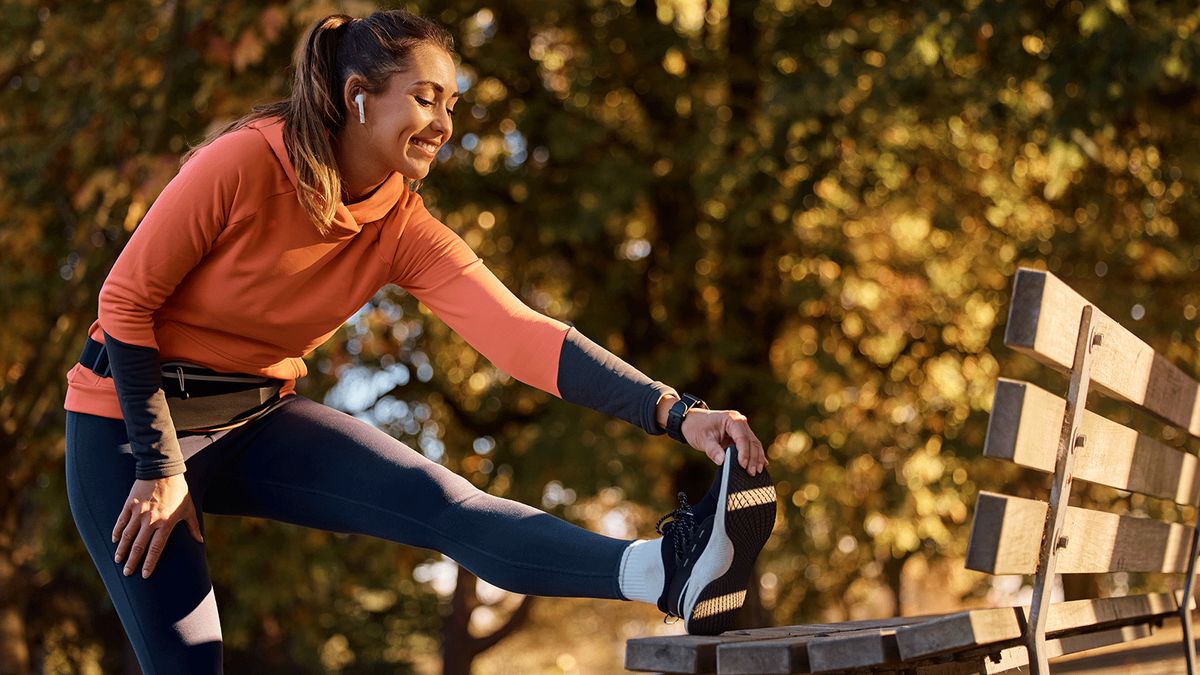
[
  {"x": 664, "y": 407},
  {"x": 678, "y": 413}
]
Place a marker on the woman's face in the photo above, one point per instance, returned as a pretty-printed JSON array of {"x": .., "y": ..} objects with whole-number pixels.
[{"x": 409, "y": 121}]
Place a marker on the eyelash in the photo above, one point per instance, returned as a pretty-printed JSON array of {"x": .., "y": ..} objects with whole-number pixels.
[{"x": 429, "y": 103}]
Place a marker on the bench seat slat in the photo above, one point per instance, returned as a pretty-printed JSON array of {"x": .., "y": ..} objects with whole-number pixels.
[
  {"x": 878, "y": 647},
  {"x": 698, "y": 653},
  {"x": 1015, "y": 660},
  {"x": 1006, "y": 533},
  {"x": 1025, "y": 424},
  {"x": 1042, "y": 322},
  {"x": 794, "y": 654},
  {"x": 981, "y": 627},
  {"x": 869, "y": 643},
  {"x": 682, "y": 653},
  {"x": 853, "y": 650}
]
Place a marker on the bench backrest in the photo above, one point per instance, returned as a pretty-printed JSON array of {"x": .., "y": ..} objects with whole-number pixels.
[{"x": 1040, "y": 430}]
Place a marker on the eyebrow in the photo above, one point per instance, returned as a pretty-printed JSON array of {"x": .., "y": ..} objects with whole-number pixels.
[{"x": 436, "y": 87}]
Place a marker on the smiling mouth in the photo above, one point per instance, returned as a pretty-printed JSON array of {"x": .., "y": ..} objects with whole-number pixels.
[{"x": 426, "y": 146}]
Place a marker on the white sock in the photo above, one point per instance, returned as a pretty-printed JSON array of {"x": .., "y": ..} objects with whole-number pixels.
[{"x": 641, "y": 573}]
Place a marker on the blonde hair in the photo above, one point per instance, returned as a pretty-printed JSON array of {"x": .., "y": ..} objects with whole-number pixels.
[{"x": 332, "y": 50}]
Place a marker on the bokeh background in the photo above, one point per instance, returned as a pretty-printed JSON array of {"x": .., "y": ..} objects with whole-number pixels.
[{"x": 807, "y": 210}]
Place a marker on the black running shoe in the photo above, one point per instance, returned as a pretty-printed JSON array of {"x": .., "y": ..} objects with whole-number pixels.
[{"x": 706, "y": 586}]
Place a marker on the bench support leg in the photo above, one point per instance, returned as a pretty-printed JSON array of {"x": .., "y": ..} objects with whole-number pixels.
[
  {"x": 1185, "y": 603},
  {"x": 1060, "y": 492}
]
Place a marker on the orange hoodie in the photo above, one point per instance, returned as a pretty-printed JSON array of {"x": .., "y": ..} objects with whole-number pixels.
[{"x": 227, "y": 271}]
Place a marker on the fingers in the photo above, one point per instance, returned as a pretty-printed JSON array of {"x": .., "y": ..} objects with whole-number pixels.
[
  {"x": 144, "y": 538},
  {"x": 751, "y": 456},
  {"x": 138, "y": 548},
  {"x": 122, "y": 521},
  {"x": 157, "y": 542},
  {"x": 193, "y": 526},
  {"x": 711, "y": 431},
  {"x": 129, "y": 530}
]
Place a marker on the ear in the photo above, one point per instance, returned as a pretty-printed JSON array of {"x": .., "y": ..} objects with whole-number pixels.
[{"x": 355, "y": 85}]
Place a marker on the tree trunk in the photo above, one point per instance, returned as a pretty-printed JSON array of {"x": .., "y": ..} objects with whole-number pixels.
[
  {"x": 459, "y": 647},
  {"x": 456, "y": 638},
  {"x": 893, "y": 578},
  {"x": 14, "y": 651}
]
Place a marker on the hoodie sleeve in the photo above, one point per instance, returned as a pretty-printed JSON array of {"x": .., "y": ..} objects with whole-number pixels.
[
  {"x": 138, "y": 380},
  {"x": 177, "y": 232},
  {"x": 440, "y": 270}
]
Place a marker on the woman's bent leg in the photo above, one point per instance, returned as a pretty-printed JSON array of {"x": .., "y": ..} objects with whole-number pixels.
[
  {"x": 171, "y": 618},
  {"x": 311, "y": 465}
]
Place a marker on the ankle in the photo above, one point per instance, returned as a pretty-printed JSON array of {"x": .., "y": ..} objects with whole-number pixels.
[{"x": 640, "y": 575}]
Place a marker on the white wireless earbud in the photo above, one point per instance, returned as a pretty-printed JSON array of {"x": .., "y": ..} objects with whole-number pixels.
[{"x": 362, "y": 115}]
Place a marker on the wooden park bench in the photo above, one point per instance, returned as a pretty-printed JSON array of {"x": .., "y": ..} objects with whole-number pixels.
[{"x": 1036, "y": 429}]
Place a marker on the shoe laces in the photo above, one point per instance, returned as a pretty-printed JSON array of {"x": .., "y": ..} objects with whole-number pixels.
[{"x": 680, "y": 525}]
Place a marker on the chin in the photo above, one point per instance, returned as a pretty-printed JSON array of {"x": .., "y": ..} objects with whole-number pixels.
[{"x": 413, "y": 172}]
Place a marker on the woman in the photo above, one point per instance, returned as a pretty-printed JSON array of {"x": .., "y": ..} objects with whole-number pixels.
[{"x": 274, "y": 232}]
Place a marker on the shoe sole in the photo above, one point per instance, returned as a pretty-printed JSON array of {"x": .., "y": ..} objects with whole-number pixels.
[{"x": 744, "y": 519}]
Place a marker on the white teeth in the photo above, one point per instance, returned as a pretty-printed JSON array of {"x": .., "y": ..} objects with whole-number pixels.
[{"x": 424, "y": 145}]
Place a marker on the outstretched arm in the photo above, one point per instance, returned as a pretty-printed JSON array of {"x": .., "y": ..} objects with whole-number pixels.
[{"x": 438, "y": 267}]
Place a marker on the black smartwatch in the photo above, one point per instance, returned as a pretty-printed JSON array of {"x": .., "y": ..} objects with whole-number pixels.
[{"x": 678, "y": 412}]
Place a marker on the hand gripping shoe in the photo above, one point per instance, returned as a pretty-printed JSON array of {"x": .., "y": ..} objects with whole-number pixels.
[{"x": 708, "y": 564}]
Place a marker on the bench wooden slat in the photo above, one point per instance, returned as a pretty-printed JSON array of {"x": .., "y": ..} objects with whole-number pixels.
[
  {"x": 683, "y": 653},
  {"x": 787, "y": 655},
  {"x": 791, "y": 654},
  {"x": 874, "y": 644},
  {"x": 962, "y": 630},
  {"x": 853, "y": 650},
  {"x": 1006, "y": 533},
  {"x": 981, "y": 627},
  {"x": 794, "y": 654},
  {"x": 878, "y": 646},
  {"x": 1014, "y": 660},
  {"x": 1024, "y": 428},
  {"x": 1042, "y": 322},
  {"x": 949, "y": 668},
  {"x": 698, "y": 653}
]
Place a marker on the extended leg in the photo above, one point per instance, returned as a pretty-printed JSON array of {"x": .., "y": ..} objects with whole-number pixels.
[{"x": 308, "y": 464}]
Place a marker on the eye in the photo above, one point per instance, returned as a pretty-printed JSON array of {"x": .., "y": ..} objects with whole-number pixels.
[
  {"x": 423, "y": 102},
  {"x": 450, "y": 111}
]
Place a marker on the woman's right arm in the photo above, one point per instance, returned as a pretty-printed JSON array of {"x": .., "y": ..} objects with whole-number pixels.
[{"x": 177, "y": 232}]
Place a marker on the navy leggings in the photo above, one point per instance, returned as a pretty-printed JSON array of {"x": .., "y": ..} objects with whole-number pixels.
[{"x": 308, "y": 464}]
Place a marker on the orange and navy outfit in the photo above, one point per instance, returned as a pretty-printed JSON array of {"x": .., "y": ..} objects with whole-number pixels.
[{"x": 227, "y": 271}]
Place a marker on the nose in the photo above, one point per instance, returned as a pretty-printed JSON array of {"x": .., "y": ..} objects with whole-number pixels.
[{"x": 443, "y": 124}]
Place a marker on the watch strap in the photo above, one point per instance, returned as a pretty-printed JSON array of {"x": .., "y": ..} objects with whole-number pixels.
[{"x": 679, "y": 411}]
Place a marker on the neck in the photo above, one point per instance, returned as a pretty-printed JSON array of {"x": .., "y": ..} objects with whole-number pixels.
[{"x": 360, "y": 175}]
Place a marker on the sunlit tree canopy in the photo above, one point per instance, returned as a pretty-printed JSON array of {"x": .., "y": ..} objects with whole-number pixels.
[{"x": 810, "y": 212}]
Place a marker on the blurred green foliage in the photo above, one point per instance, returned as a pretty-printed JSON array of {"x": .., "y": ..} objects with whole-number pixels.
[{"x": 809, "y": 211}]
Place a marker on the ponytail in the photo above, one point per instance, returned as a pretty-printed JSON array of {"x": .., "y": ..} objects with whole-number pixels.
[
  {"x": 331, "y": 50},
  {"x": 315, "y": 109}
]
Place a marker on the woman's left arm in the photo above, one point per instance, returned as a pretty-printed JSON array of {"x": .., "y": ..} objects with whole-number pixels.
[{"x": 441, "y": 271}]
